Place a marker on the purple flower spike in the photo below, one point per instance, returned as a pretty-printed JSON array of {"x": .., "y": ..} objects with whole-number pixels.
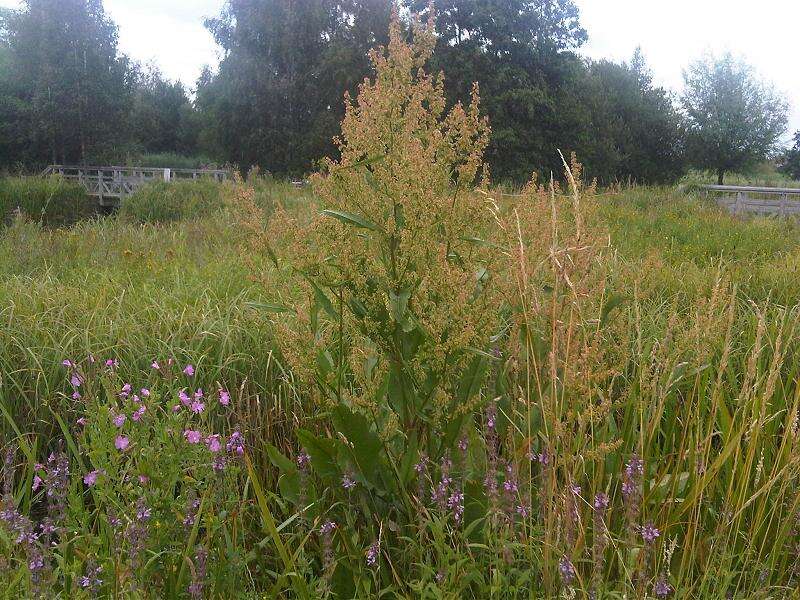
[
  {"x": 567, "y": 570},
  {"x": 189, "y": 370},
  {"x": 662, "y": 589},
  {"x": 650, "y": 533}
]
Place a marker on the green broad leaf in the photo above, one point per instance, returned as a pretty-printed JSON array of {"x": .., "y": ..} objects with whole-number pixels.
[
  {"x": 471, "y": 379},
  {"x": 323, "y": 301},
  {"x": 398, "y": 303},
  {"x": 410, "y": 457},
  {"x": 612, "y": 302},
  {"x": 367, "y": 447},
  {"x": 266, "y": 306},
  {"x": 323, "y": 452},
  {"x": 352, "y": 219},
  {"x": 279, "y": 460}
]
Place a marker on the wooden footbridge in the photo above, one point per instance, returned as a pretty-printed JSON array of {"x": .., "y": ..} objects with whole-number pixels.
[
  {"x": 741, "y": 200},
  {"x": 111, "y": 184}
]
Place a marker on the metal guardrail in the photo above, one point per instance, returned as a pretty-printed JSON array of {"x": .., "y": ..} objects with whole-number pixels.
[
  {"x": 740, "y": 200},
  {"x": 111, "y": 184}
]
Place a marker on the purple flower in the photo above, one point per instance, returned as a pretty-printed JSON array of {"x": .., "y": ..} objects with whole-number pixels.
[
  {"x": 219, "y": 463},
  {"x": 567, "y": 570},
  {"x": 143, "y": 479},
  {"x": 145, "y": 393},
  {"x": 662, "y": 589},
  {"x": 91, "y": 478},
  {"x": 121, "y": 443},
  {"x": 112, "y": 363},
  {"x": 68, "y": 363},
  {"x": 37, "y": 483},
  {"x": 184, "y": 398},
  {"x": 420, "y": 466},
  {"x": 650, "y": 533},
  {"x": 303, "y": 460},
  {"x": 76, "y": 380},
  {"x": 126, "y": 390},
  {"x": 456, "y": 504},
  {"x": 155, "y": 365},
  {"x": 224, "y": 397},
  {"x": 119, "y": 420},
  {"x": 189, "y": 370},
  {"x": 139, "y": 413},
  {"x": 76, "y": 395},
  {"x": 214, "y": 443},
  {"x": 198, "y": 574},
  {"x": 81, "y": 421},
  {"x": 348, "y": 482},
  {"x": 193, "y": 437},
  {"x": 601, "y": 501},
  {"x": 197, "y": 407},
  {"x": 327, "y": 527},
  {"x": 235, "y": 443},
  {"x": 373, "y": 553}
]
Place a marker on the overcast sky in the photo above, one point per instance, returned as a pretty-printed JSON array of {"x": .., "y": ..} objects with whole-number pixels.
[{"x": 671, "y": 33}]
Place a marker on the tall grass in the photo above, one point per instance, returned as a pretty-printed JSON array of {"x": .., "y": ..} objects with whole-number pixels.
[{"x": 50, "y": 201}]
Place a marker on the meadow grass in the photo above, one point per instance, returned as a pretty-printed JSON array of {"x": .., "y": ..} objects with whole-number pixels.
[{"x": 699, "y": 344}]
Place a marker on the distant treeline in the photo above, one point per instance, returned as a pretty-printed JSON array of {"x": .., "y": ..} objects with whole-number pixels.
[{"x": 67, "y": 94}]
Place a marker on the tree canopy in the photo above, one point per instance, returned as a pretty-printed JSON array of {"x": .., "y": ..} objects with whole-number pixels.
[
  {"x": 790, "y": 161},
  {"x": 734, "y": 119},
  {"x": 277, "y": 97}
]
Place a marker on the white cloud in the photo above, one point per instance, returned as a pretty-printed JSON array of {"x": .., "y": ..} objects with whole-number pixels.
[{"x": 673, "y": 34}]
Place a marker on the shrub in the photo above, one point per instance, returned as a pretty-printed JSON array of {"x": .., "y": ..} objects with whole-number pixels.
[
  {"x": 163, "y": 202},
  {"x": 51, "y": 201}
]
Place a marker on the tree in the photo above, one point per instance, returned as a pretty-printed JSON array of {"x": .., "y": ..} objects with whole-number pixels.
[
  {"x": 521, "y": 54},
  {"x": 734, "y": 119},
  {"x": 631, "y": 128},
  {"x": 162, "y": 116},
  {"x": 790, "y": 161},
  {"x": 70, "y": 79},
  {"x": 278, "y": 97}
]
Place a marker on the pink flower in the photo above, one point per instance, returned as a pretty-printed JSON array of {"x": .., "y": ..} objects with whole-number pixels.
[
  {"x": 139, "y": 413},
  {"x": 121, "y": 443},
  {"x": 91, "y": 478},
  {"x": 37, "y": 483},
  {"x": 136, "y": 399},
  {"x": 197, "y": 407},
  {"x": 214, "y": 443},
  {"x": 176, "y": 408},
  {"x": 184, "y": 398},
  {"x": 145, "y": 393},
  {"x": 119, "y": 420},
  {"x": 189, "y": 370},
  {"x": 198, "y": 394},
  {"x": 68, "y": 363},
  {"x": 76, "y": 395},
  {"x": 112, "y": 363},
  {"x": 193, "y": 437},
  {"x": 81, "y": 421},
  {"x": 144, "y": 479},
  {"x": 126, "y": 389},
  {"x": 155, "y": 365},
  {"x": 76, "y": 380},
  {"x": 224, "y": 397}
]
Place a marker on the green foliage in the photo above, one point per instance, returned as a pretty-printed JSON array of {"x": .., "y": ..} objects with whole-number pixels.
[
  {"x": 162, "y": 117},
  {"x": 170, "y": 160},
  {"x": 734, "y": 120},
  {"x": 70, "y": 85},
  {"x": 52, "y": 201},
  {"x": 520, "y": 53},
  {"x": 163, "y": 202},
  {"x": 633, "y": 132},
  {"x": 790, "y": 161},
  {"x": 277, "y": 100}
]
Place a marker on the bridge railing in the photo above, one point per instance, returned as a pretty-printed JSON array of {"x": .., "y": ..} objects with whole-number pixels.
[
  {"x": 739, "y": 199},
  {"x": 111, "y": 184}
]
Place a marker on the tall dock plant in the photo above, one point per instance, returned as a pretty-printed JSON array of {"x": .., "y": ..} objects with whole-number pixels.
[{"x": 400, "y": 308}]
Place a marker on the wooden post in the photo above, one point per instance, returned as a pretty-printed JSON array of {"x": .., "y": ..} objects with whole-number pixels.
[
  {"x": 100, "y": 185},
  {"x": 739, "y": 209}
]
